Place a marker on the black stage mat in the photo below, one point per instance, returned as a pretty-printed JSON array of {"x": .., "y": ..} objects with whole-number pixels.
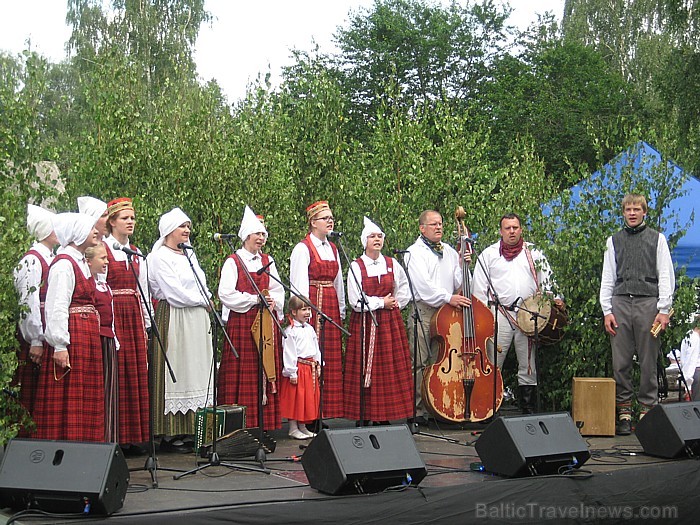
[{"x": 618, "y": 483}]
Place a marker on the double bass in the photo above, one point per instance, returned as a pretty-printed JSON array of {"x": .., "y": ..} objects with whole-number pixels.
[{"x": 461, "y": 385}]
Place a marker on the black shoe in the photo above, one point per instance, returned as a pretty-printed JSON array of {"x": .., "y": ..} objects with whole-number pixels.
[
  {"x": 528, "y": 398},
  {"x": 176, "y": 445},
  {"x": 623, "y": 427},
  {"x": 419, "y": 420},
  {"x": 132, "y": 450}
]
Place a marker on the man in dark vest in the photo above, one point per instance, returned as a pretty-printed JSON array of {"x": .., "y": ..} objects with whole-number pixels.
[{"x": 636, "y": 291}]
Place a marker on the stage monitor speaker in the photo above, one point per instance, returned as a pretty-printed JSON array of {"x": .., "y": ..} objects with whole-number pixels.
[
  {"x": 363, "y": 460},
  {"x": 671, "y": 430},
  {"x": 531, "y": 445},
  {"x": 63, "y": 476}
]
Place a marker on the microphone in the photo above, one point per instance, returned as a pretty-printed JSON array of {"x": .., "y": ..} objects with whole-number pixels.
[
  {"x": 183, "y": 246},
  {"x": 335, "y": 235},
  {"x": 127, "y": 250},
  {"x": 398, "y": 252},
  {"x": 262, "y": 270},
  {"x": 222, "y": 236}
]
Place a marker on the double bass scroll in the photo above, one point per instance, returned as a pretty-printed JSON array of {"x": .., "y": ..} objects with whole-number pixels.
[{"x": 459, "y": 387}]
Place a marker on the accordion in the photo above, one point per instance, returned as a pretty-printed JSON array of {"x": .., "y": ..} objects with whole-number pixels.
[{"x": 228, "y": 418}]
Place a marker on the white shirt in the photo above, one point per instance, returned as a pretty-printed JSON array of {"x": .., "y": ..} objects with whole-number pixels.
[
  {"x": 301, "y": 342},
  {"x": 664, "y": 271},
  {"x": 690, "y": 356},
  {"x": 27, "y": 279},
  {"x": 59, "y": 296},
  {"x": 434, "y": 278},
  {"x": 143, "y": 274},
  {"x": 299, "y": 269},
  {"x": 241, "y": 302},
  {"x": 171, "y": 279},
  {"x": 512, "y": 280},
  {"x": 377, "y": 268}
]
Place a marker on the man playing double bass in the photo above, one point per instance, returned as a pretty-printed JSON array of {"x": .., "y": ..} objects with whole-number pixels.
[
  {"x": 517, "y": 271},
  {"x": 435, "y": 272}
]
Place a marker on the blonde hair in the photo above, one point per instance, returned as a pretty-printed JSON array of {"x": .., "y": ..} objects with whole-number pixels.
[
  {"x": 634, "y": 198},
  {"x": 91, "y": 252}
]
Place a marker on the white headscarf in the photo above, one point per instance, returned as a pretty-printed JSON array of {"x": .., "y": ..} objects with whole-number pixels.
[
  {"x": 73, "y": 227},
  {"x": 369, "y": 229},
  {"x": 168, "y": 223},
  {"x": 39, "y": 222},
  {"x": 250, "y": 224},
  {"x": 92, "y": 206}
]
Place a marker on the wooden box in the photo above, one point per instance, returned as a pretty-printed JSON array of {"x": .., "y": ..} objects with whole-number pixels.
[{"x": 593, "y": 405}]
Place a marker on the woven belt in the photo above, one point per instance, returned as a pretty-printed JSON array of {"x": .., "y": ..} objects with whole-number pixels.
[
  {"x": 89, "y": 309},
  {"x": 84, "y": 310},
  {"x": 124, "y": 291},
  {"x": 319, "y": 300},
  {"x": 313, "y": 364}
]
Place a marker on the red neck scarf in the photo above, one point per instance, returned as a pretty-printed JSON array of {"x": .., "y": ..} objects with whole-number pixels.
[{"x": 511, "y": 252}]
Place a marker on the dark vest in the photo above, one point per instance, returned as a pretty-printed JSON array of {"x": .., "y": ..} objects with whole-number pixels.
[{"x": 635, "y": 259}]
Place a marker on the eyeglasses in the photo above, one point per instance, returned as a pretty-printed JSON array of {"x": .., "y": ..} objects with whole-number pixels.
[
  {"x": 434, "y": 224},
  {"x": 330, "y": 218}
]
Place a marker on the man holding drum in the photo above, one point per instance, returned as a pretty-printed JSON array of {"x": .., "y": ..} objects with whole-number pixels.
[
  {"x": 517, "y": 271},
  {"x": 636, "y": 292}
]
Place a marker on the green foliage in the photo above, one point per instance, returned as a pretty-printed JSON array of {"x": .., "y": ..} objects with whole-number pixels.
[
  {"x": 560, "y": 95},
  {"x": 22, "y": 84},
  {"x": 428, "y": 51}
]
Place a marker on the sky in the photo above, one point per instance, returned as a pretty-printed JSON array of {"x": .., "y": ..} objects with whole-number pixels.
[{"x": 244, "y": 39}]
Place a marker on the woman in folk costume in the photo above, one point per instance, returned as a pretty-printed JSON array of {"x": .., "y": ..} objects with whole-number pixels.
[
  {"x": 386, "y": 379},
  {"x": 70, "y": 402},
  {"x": 238, "y": 378},
  {"x": 97, "y": 261},
  {"x": 97, "y": 209},
  {"x": 130, "y": 321},
  {"x": 182, "y": 316},
  {"x": 315, "y": 272},
  {"x": 31, "y": 280}
]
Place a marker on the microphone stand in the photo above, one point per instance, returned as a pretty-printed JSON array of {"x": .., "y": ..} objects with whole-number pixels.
[
  {"x": 323, "y": 317},
  {"x": 534, "y": 316},
  {"x": 364, "y": 301},
  {"x": 217, "y": 322},
  {"x": 263, "y": 305},
  {"x": 151, "y": 464},
  {"x": 681, "y": 376},
  {"x": 413, "y": 427},
  {"x": 495, "y": 302}
]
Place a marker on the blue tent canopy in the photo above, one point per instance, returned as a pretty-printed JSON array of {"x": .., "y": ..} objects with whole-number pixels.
[{"x": 643, "y": 158}]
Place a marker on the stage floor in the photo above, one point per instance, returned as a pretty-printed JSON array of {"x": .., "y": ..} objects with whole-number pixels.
[{"x": 618, "y": 483}]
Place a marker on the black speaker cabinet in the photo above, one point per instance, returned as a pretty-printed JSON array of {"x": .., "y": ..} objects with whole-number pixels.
[
  {"x": 531, "y": 445},
  {"x": 671, "y": 430},
  {"x": 362, "y": 460},
  {"x": 63, "y": 476}
]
